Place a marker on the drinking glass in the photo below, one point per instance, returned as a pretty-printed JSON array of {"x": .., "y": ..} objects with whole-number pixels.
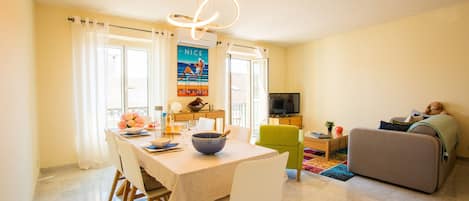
[
  {"x": 192, "y": 125},
  {"x": 184, "y": 129}
]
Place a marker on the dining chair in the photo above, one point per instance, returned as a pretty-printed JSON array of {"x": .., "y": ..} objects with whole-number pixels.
[
  {"x": 284, "y": 138},
  {"x": 134, "y": 175},
  {"x": 116, "y": 162},
  {"x": 260, "y": 180},
  {"x": 206, "y": 124},
  {"x": 239, "y": 133}
]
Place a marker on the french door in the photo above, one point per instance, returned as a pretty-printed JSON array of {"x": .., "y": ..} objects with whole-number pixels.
[
  {"x": 248, "y": 92},
  {"x": 127, "y": 82}
]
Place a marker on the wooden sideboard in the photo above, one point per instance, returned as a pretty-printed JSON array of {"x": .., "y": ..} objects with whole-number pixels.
[
  {"x": 187, "y": 116},
  {"x": 296, "y": 120}
]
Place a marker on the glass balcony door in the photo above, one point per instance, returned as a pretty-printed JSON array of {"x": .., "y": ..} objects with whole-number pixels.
[
  {"x": 240, "y": 77},
  {"x": 248, "y": 93},
  {"x": 127, "y": 82}
]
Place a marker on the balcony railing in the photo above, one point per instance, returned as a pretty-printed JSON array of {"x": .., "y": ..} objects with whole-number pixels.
[{"x": 239, "y": 114}]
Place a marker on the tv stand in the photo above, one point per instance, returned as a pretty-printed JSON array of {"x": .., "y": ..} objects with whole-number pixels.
[
  {"x": 280, "y": 115},
  {"x": 294, "y": 120}
]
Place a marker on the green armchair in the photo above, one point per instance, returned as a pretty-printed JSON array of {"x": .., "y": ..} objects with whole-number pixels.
[{"x": 284, "y": 138}]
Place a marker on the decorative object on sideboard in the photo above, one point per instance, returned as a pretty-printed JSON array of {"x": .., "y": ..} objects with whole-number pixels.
[
  {"x": 196, "y": 105},
  {"x": 175, "y": 107},
  {"x": 329, "y": 125}
]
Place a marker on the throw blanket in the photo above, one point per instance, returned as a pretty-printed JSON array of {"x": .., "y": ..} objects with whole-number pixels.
[{"x": 446, "y": 128}]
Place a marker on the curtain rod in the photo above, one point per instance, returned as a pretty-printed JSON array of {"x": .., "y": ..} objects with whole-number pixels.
[{"x": 71, "y": 19}]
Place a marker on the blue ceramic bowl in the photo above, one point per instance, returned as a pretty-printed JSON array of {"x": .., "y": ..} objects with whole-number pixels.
[{"x": 208, "y": 143}]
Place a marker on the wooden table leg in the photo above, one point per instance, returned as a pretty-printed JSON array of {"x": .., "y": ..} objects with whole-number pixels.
[{"x": 328, "y": 150}]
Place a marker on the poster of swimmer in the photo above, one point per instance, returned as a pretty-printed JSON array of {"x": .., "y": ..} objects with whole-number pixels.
[{"x": 192, "y": 78}]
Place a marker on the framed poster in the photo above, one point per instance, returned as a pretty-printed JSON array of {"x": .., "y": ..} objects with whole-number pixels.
[{"x": 192, "y": 71}]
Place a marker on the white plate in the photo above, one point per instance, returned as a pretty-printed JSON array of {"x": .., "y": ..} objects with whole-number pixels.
[
  {"x": 168, "y": 149},
  {"x": 127, "y": 135},
  {"x": 133, "y": 130}
]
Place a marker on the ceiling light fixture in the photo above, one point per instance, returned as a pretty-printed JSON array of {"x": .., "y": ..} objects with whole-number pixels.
[{"x": 197, "y": 24}]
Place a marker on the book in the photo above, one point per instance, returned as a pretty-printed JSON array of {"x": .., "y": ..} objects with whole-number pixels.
[{"x": 318, "y": 135}]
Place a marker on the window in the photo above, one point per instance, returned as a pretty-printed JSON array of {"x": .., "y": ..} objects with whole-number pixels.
[{"x": 127, "y": 82}]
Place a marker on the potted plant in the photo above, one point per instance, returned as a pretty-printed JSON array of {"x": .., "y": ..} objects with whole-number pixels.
[{"x": 329, "y": 125}]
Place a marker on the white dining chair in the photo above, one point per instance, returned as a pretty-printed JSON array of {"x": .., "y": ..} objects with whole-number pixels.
[
  {"x": 116, "y": 162},
  {"x": 134, "y": 175},
  {"x": 206, "y": 124},
  {"x": 259, "y": 180},
  {"x": 239, "y": 133}
]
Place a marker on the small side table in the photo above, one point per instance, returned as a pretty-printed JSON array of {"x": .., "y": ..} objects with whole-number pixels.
[{"x": 327, "y": 145}]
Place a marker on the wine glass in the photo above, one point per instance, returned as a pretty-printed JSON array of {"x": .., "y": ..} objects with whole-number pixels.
[
  {"x": 184, "y": 129},
  {"x": 192, "y": 125}
]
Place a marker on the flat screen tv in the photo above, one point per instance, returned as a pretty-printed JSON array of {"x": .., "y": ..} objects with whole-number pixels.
[{"x": 284, "y": 103}]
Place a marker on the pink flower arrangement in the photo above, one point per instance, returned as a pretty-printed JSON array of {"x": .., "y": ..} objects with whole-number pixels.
[{"x": 131, "y": 120}]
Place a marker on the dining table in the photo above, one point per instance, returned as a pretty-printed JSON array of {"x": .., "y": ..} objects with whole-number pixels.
[{"x": 190, "y": 175}]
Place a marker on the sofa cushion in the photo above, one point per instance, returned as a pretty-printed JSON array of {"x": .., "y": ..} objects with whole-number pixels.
[
  {"x": 422, "y": 129},
  {"x": 395, "y": 127}
]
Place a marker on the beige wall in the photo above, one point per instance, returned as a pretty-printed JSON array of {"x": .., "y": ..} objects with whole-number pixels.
[
  {"x": 371, "y": 74},
  {"x": 55, "y": 77},
  {"x": 18, "y": 153}
]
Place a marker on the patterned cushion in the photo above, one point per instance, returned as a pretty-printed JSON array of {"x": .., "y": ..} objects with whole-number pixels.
[
  {"x": 401, "y": 122},
  {"x": 395, "y": 127}
]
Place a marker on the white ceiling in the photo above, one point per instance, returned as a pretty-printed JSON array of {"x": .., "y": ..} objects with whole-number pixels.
[{"x": 283, "y": 22}]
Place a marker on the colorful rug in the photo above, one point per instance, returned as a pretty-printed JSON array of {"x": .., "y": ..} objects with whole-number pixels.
[{"x": 335, "y": 168}]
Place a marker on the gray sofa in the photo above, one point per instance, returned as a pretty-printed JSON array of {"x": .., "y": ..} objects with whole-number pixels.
[{"x": 412, "y": 159}]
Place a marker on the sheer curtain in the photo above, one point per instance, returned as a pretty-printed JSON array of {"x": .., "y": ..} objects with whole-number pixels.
[
  {"x": 88, "y": 41},
  {"x": 158, "y": 72}
]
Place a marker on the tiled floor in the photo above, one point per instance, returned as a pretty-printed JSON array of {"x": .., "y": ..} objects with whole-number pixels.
[{"x": 71, "y": 184}]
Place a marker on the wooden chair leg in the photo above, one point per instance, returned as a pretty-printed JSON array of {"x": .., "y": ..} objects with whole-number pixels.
[
  {"x": 114, "y": 184},
  {"x": 120, "y": 191},
  {"x": 298, "y": 174},
  {"x": 126, "y": 191},
  {"x": 132, "y": 193}
]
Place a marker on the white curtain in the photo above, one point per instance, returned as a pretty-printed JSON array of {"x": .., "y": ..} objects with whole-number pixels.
[
  {"x": 158, "y": 72},
  {"x": 88, "y": 40}
]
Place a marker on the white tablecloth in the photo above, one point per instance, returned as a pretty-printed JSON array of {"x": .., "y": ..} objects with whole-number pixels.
[{"x": 192, "y": 176}]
